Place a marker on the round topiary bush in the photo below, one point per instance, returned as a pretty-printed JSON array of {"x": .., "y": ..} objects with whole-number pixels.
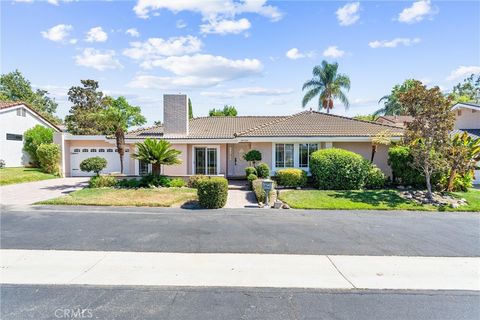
[
  {"x": 250, "y": 178},
  {"x": 338, "y": 169},
  {"x": 212, "y": 193},
  {"x": 263, "y": 170},
  {"x": 250, "y": 170},
  {"x": 93, "y": 164},
  {"x": 194, "y": 180},
  {"x": 291, "y": 178},
  {"x": 375, "y": 178},
  {"x": 253, "y": 156}
]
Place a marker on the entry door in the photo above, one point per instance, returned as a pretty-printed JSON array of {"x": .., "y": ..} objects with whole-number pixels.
[
  {"x": 205, "y": 161},
  {"x": 237, "y": 164}
]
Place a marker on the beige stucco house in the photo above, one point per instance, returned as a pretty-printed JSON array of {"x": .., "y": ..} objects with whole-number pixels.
[{"x": 216, "y": 145}]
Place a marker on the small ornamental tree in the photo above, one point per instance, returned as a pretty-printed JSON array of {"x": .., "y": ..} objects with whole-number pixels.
[
  {"x": 462, "y": 156},
  {"x": 33, "y": 138},
  {"x": 428, "y": 134},
  {"x": 93, "y": 164},
  {"x": 253, "y": 156}
]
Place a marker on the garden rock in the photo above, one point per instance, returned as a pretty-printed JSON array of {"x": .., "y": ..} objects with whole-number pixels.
[{"x": 438, "y": 199}]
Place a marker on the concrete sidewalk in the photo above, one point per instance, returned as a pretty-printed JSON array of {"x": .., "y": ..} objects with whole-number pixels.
[{"x": 238, "y": 270}]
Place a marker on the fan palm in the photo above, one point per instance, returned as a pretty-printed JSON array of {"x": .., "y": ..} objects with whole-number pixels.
[
  {"x": 327, "y": 84},
  {"x": 157, "y": 153}
]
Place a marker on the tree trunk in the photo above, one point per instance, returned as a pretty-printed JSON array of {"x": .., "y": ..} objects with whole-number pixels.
[
  {"x": 120, "y": 138},
  {"x": 429, "y": 185},
  {"x": 156, "y": 169},
  {"x": 374, "y": 150},
  {"x": 451, "y": 179}
]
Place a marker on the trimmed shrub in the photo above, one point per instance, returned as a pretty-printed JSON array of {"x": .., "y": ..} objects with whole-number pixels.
[
  {"x": 212, "y": 193},
  {"x": 263, "y": 170},
  {"x": 375, "y": 178},
  {"x": 291, "y": 177},
  {"x": 2, "y": 163},
  {"x": 102, "y": 182},
  {"x": 151, "y": 180},
  {"x": 338, "y": 169},
  {"x": 257, "y": 186},
  {"x": 253, "y": 156},
  {"x": 93, "y": 164},
  {"x": 176, "y": 183},
  {"x": 48, "y": 155},
  {"x": 194, "y": 180},
  {"x": 33, "y": 138},
  {"x": 400, "y": 160},
  {"x": 250, "y": 178},
  {"x": 250, "y": 170},
  {"x": 128, "y": 183}
]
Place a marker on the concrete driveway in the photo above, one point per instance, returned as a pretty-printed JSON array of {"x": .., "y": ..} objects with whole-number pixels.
[{"x": 31, "y": 192}]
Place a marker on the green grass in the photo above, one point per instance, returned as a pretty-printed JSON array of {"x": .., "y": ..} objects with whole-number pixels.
[
  {"x": 165, "y": 197},
  {"x": 385, "y": 199},
  {"x": 21, "y": 175}
]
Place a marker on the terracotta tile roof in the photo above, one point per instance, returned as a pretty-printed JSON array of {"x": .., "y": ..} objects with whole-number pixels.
[
  {"x": 303, "y": 124},
  {"x": 397, "y": 119},
  {"x": 8, "y": 104}
]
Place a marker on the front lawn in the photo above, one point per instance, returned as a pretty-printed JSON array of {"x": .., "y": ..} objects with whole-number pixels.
[
  {"x": 21, "y": 174},
  {"x": 164, "y": 197},
  {"x": 385, "y": 199}
]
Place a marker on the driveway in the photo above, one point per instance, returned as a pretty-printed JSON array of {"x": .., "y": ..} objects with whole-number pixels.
[{"x": 31, "y": 192}]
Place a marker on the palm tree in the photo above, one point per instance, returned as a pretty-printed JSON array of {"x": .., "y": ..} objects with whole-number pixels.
[
  {"x": 328, "y": 85},
  {"x": 157, "y": 153},
  {"x": 118, "y": 117},
  {"x": 391, "y": 102}
]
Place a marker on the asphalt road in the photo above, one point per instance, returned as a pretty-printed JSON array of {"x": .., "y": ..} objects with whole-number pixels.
[
  {"x": 51, "y": 302},
  {"x": 243, "y": 231}
]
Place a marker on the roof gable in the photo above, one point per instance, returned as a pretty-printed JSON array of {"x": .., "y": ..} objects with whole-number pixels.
[
  {"x": 12, "y": 105},
  {"x": 467, "y": 105}
]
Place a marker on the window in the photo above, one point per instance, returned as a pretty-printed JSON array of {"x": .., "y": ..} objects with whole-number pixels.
[
  {"x": 109, "y": 150},
  {"x": 76, "y": 150},
  {"x": 142, "y": 167},
  {"x": 459, "y": 113},
  {"x": 205, "y": 161},
  {"x": 101, "y": 150},
  {"x": 14, "y": 137},
  {"x": 84, "y": 150},
  {"x": 283, "y": 155},
  {"x": 305, "y": 150},
  {"x": 21, "y": 112},
  {"x": 93, "y": 150},
  {"x": 116, "y": 150}
]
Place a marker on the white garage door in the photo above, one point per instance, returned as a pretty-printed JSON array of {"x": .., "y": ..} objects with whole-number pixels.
[{"x": 78, "y": 154}]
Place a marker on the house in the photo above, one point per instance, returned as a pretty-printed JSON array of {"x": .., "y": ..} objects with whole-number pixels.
[
  {"x": 216, "y": 145},
  {"x": 399, "y": 121},
  {"x": 468, "y": 120},
  {"x": 15, "y": 119}
]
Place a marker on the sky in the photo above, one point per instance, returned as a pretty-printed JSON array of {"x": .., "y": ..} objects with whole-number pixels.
[{"x": 254, "y": 55}]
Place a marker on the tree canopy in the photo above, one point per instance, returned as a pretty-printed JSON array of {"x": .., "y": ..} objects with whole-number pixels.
[
  {"x": 226, "y": 111},
  {"x": 468, "y": 90},
  {"x": 391, "y": 103}
]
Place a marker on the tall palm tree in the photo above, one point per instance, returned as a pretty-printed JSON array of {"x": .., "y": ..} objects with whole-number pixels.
[
  {"x": 327, "y": 84},
  {"x": 157, "y": 153},
  {"x": 391, "y": 102}
]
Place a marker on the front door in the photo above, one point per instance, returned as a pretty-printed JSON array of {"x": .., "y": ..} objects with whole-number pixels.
[
  {"x": 236, "y": 163},
  {"x": 205, "y": 161}
]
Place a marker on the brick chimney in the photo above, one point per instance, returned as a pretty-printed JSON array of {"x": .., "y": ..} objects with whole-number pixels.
[{"x": 175, "y": 114}]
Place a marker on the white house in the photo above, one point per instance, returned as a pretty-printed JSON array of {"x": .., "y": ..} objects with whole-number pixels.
[{"x": 15, "y": 119}]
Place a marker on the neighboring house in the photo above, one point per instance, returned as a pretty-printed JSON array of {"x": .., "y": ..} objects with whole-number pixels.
[
  {"x": 399, "y": 121},
  {"x": 15, "y": 119},
  {"x": 216, "y": 145},
  {"x": 468, "y": 120}
]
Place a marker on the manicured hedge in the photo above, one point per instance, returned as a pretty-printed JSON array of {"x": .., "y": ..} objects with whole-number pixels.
[
  {"x": 212, "y": 193},
  {"x": 263, "y": 170},
  {"x": 250, "y": 178},
  {"x": 338, "y": 169},
  {"x": 257, "y": 187},
  {"x": 250, "y": 170},
  {"x": 194, "y": 180},
  {"x": 291, "y": 178},
  {"x": 102, "y": 182},
  {"x": 49, "y": 155},
  {"x": 375, "y": 178}
]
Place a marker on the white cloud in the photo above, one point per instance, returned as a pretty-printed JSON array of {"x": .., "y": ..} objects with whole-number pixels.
[
  {"x": 295, "y": 54},
  {"x": 417, "y": 12},
  {"x": 209, "y": 9},
  {"x": 96, "y": 35},
  {"x": 57, "y": 33},
  {"x": 155, "y": 48},
  {"x": 393, "y": 43},
  {"x": 133, "y": 32},
  {"x": 97, "y": 59},
  {"x": 348, "y": 14},
  {"x": 154, "y": 82},
  {"x": 462, "y": 72},
  {"x": 276, "y": 102},
  {"x": 24, "y": 1},
  {"x": 57, "y": 2},
  {"x": 181, "y": 24},
  {"x": 225, "y": 26},
  {"x": 333, "y": 52},
  {"x": 247, "y": 91},
  {"x": 73, "y": 41}
]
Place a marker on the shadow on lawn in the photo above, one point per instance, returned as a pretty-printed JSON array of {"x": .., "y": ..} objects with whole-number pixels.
[{"x": 389, "y": 198}]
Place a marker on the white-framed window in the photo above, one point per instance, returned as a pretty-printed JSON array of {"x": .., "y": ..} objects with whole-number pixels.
[
  {"x": 84, "y": 150},
  {"x": 21, "y": 112},
  {"x": 76, "y": 150},
  {"x": 93, "y": 150},
  {"x": 14, "y": 137},
  {"x": 304, "y": 152},
  {"x": 284, "y": 155},
  {"x": 109, "y": 150},
  {"x": 101, "y": 150}
]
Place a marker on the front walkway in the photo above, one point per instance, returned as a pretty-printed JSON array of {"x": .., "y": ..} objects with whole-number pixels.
[
  {"x": 241, "y": 199},
  {"x": 31, "y": 192}
]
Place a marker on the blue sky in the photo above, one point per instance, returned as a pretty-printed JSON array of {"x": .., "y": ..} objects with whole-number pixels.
[{"x": 253, "y": 54}]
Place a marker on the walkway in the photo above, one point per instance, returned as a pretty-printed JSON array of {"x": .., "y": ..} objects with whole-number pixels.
[
  {"x": 241, "y": 199},
  {"x": 57, "y": 267},
  {"x": 31, "y": 192}
]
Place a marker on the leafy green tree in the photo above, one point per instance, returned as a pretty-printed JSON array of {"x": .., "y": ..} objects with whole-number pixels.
[
  {"x": 469, "y": 90},
  {"x": 428, "y": 133},
  {"x": 49, "y": 157},
  {"x": 87, "y": 102},
  {"x": 14, "y": 87},
  {"x": 253, "y": 156},
  {"x": 327, "y": 84},
  {"x": 391, "y": 102},
  {"x": 462, "y": 156},
  {"x": 93, "y": 164},
  {"x": 33, "y": 138},
  {"x": 226, "y": 111},
  {"x": 190, "y": 109},
  {"x": 157, "y": 153},
  {"x": 368, "y": 117},
  {"x": 117, "y": 117}
]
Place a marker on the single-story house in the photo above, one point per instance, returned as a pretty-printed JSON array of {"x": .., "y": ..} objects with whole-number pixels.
[
  {"x": 399, "y": 121},
  {"x": 216, "y": 145},
  {"x": 15, "y": 119}
]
